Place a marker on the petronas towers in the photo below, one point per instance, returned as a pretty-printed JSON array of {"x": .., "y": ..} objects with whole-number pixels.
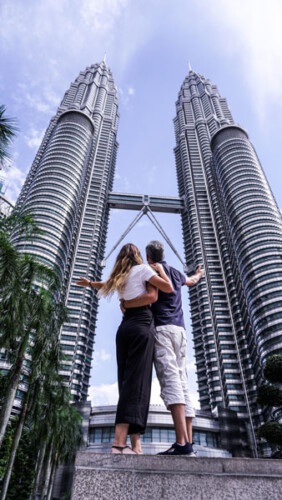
[
  {"x": 231, "y": 224},
  {"x": 66, "y": 192}
]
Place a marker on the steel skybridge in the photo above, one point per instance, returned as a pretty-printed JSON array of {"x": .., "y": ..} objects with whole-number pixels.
[{"x": 129, "y": 201}]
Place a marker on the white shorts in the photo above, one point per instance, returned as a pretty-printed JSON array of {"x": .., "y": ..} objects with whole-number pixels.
[{"x": 170, "y": 364}]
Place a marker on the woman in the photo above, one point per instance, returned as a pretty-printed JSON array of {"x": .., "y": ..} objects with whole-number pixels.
[{"x": 134, "y": 341}]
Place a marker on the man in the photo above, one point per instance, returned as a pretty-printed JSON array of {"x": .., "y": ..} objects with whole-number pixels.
[{"x": 170, "y": 348}]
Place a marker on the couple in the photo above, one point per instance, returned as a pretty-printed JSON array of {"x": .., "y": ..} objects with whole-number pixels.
[{"x": 148, "y": 331}]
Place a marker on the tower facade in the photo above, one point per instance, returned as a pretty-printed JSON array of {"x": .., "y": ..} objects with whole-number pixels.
[
  {"x": 66, "y": 192},
  {"x": 232, "y": 226}
]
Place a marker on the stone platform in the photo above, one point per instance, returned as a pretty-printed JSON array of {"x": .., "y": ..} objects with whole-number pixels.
[{"x": 101, "y": 476}]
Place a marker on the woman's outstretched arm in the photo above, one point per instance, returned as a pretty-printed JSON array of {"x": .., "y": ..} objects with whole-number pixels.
[{"x": 86, "y": 282}]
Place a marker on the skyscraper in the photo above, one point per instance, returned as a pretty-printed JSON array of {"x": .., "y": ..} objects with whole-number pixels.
[
  {"x": 66, "y": 192},
  {"x": 233, "y": 226}
]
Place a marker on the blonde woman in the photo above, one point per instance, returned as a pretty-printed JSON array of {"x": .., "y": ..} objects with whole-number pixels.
[{"x": 131, "y": 278}]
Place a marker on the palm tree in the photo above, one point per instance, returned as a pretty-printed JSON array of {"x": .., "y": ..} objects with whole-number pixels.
[
  {"x": 8, "y": 131},
  {"x": 58, "y": 431},
  {"x": 23, "y": 313},
  {"x": 46, "y": 356},
  {"x": 22, "y": 302},
  {"x": 68, "y": 439},
  {"x": 65, "y": 438}
]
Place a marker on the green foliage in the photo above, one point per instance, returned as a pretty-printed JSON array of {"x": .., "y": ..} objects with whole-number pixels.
[
  {"x": 8, "y": 131},
  {"x": 24, "y": 469},
  {"x": 6, "y": 448},
  {"x": 67, "y": 496},
  {"x": 3, "y": 384},
  {"x": 31, "y": 315},
  {"x": 269, "y": 395},
  {"x": 271, "y": 432},
  {"x": 273, "y": 369}
]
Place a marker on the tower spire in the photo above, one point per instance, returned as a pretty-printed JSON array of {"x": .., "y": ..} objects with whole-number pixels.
[
  {"x": 104, "y": 58},
  {"x": 189, "y": 66}
]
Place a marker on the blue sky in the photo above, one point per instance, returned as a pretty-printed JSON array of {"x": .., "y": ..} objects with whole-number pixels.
[{"x": 236, "y": 43}]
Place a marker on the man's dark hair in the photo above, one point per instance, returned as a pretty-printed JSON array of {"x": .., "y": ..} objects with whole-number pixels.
[{"x": 155, "y": 251}]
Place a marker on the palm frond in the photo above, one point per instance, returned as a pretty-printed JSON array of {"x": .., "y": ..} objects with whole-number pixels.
[{"x": 8, "y": 130}]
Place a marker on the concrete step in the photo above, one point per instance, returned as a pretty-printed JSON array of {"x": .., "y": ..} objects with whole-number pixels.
[{"x": 100, "y": 476}]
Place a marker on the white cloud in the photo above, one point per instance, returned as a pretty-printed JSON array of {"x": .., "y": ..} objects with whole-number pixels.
[
  {"x": 157, "y": 400},
  {"x": 105, "y": 356},
  {"x": 101, "y": 15},
  {"x": 34, "y": 138},
  {"x": 144, "y": 222},
  {"x": 42, "y": 99},
  {"x": 125, "y": 95},
  {"x": 195, "y": 400},
  {"x": 101, "y": 356},
  {"x": 122, "y": 184},
  {"x": 191, "y": 366},
  {"x": 104, "y": 394},
  {"x": 155, "y": 393},
  {"x": 14, "y": 179},
  {"x": 251, "y": 33},
  {"x": 107, "y": 394}
]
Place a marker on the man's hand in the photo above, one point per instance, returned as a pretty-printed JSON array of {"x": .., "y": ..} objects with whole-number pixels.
[
  {"x": 193, "y": 280},
  {"x": 83, "y": 281},
  {"x": 201, "y": 271}
]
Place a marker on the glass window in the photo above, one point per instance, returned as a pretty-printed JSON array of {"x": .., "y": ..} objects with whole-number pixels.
[
  {"x": 106, "y": 435},
  {"x": 147, "y": 436}
]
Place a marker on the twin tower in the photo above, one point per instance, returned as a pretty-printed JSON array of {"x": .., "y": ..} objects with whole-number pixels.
[{"x": 230, "y": 221}]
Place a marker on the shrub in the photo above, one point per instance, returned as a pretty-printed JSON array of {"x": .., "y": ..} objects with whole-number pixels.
[
  {"x": 273, "y": 369},
  {"x": 271, "y": 432},
  {"x": 269, "y": 395}
]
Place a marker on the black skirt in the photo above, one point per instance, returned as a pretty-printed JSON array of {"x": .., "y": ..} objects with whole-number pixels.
[{"x": 135, "y": 346}]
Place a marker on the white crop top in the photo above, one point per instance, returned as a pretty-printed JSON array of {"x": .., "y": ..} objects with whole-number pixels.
[{"x": 135, "y": 283}]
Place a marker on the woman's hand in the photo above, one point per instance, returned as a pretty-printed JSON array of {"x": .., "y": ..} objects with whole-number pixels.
[
  {"x": 157, "y": 267},
  {"x": 86, "y": 282},
  {"x": 161, "y": 280},
  {"x": 83, "y": 281}
]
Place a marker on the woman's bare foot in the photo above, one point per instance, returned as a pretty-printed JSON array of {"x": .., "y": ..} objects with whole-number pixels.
[
  {"x": 128, "y": 451},
  {"x": 138, "y": 451},
  {"x": 136, "y": 443},
  {"x": 122, "y": 450},
  {"x": 117, "y": 450}
]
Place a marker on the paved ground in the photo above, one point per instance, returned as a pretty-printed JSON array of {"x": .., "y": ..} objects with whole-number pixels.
[{"x": 115, "y": 477}]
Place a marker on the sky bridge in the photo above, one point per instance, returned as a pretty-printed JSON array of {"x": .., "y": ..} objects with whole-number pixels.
[{"x": 127, "y": 201}]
